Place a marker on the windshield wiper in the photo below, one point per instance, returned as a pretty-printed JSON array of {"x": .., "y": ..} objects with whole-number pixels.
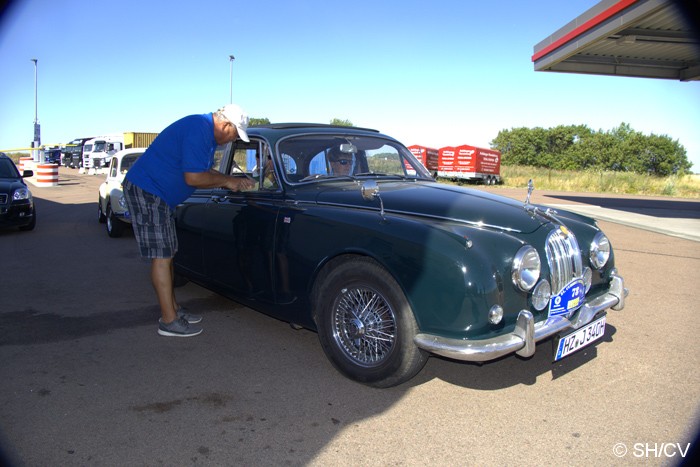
[
  {"x": 380, "y": 174},
  {"x": 326, "y": 177}
]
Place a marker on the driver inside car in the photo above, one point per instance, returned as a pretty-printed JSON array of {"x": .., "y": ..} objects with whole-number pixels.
[{"x": 339, "y": 162}]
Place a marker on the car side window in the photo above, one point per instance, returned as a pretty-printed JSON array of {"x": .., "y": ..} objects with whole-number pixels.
[
  {"x": 289, "y": 165},
  {"x": 219, "y": 154},
  {"x": 7, "y": 169},
  {"x": 385, "y": 160},
  {"x": 246, "y": 161},
  {"x": 318, "y": 164},
  {"x": 113, "y": 170}
]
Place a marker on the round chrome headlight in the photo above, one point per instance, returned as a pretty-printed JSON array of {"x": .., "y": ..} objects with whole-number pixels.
[
  {"x": 541, "y": 295},
  {"x": 600, "y": 250},
  {"x": 526, "y": 268}
]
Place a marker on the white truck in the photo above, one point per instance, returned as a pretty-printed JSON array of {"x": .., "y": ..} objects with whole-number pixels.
[{"x": 97, "y": 152}]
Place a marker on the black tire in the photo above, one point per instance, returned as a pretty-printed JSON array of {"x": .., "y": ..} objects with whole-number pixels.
[
  {"x": 101, "y": 218},
  {"x": 365, "y": 324},
  {"x": 115, "y": 227}
]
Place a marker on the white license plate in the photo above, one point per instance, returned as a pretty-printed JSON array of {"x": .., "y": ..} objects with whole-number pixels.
[{"x": 580, "y": 338}]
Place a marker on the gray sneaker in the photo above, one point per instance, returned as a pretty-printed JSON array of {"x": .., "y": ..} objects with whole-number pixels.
[
  {"x": 178, "y": 328},
  {"x": 189, "y": 317}
]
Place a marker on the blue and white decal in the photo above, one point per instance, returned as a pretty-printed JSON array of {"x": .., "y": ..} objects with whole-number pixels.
[{"x": 569, "y": 299}]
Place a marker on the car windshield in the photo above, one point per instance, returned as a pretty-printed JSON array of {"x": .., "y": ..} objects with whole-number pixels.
[
  {"x": 317, "y": 157},
  {"x": 7, "y": 169}
]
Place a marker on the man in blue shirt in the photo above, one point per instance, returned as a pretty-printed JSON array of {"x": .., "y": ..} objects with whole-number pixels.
[{"x": 178, "y": 161}]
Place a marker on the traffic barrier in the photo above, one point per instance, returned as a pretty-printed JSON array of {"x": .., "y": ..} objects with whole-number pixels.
[
  {"x": 25, "y": 163},
  {"x": 46, "y": 175}
]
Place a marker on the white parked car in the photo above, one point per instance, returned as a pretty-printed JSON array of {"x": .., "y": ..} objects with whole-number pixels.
[{"x": 111, "y": 205}]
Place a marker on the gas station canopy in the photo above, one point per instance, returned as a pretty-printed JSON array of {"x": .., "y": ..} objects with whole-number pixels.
[{"x": 638, "y": 38}]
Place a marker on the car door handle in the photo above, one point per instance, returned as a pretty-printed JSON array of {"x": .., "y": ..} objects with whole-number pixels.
[{"x": 224, "y": 198}]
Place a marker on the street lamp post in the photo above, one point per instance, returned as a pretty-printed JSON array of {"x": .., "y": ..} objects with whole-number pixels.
[
  {"x": 231, "y": 58},
  {"x": 37, "y": 129}
]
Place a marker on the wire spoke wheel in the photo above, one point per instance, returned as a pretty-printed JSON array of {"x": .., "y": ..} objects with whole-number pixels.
[{"x": 364, "y": 325}]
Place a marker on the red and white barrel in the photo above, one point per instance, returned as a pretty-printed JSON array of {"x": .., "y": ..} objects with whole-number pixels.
[
  {"x": 25, "y": 163},
  {"x": 46, "y": 175}
]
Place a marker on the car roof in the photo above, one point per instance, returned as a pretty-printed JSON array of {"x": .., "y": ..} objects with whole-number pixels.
[
  {"x": 126, "y": 152},
  {"x": 280, "y": 130}
]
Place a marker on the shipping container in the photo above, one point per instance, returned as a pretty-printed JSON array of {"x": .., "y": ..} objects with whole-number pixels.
[
  {"x": 470, "y": 163},
  {"x": 134, "y": 139}
]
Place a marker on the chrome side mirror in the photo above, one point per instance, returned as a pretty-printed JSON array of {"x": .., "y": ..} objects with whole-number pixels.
[{"x": 370, "y": 191}]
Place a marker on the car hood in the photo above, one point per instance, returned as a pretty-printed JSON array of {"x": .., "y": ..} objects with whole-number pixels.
[
  {"x": 8, "y": 185},
  {"x": 437, "y": 200}
]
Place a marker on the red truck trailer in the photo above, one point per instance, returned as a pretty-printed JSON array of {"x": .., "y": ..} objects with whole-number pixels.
[
  {"x": 427, "y": 156},
  {"x": 470, "y": 163}
]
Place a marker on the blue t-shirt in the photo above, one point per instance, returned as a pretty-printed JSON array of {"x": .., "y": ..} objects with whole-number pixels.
[{"x": 188, "y": 145}]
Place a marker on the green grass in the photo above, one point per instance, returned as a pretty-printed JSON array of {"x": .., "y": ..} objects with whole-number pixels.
[{"x": 685, "y": 186}]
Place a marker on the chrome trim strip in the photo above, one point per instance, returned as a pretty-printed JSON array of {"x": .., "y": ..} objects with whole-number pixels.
[
  {"x": 526, "y": 333},
  {"x": 414, "y": 214}
]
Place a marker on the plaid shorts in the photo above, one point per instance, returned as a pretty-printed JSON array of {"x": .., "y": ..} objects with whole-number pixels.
[{"x": 153, "y": 222}]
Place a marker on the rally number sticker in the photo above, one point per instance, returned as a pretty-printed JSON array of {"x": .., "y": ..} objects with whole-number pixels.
[{"x": 568, "y": 300}]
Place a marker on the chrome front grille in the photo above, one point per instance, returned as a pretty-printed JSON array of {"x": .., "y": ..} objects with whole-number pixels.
[{"x": 564, "y": 258}]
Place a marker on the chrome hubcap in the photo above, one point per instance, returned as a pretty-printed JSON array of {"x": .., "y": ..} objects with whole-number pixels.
[{"x": 364, "y": 325}]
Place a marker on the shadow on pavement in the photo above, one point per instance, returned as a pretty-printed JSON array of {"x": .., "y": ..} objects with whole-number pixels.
[{"x": 648, "y": 207}]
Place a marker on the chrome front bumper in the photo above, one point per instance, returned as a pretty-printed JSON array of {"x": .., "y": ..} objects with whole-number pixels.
[{"x": 526, "y": 333}]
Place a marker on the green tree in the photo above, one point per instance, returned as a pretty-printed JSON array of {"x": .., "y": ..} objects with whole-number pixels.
[
  {"x": 341, "y": 122},
  {"x": 258, "y": 121},
  {"x": 577, "y": 147}
]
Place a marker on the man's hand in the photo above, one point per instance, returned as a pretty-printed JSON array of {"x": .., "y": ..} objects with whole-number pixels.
[
  {"x": 215, "y": 179},
  {"x": 239, "y": 183}
]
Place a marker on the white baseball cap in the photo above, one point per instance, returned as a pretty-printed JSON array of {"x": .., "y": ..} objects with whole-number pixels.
[{"x": 238, "y": 117}]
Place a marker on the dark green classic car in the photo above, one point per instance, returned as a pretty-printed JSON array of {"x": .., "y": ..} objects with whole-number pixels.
[{"x": 348, "y": 234}]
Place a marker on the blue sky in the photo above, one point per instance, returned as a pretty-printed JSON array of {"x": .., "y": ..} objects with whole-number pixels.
[{"x": 439, "y": 73}]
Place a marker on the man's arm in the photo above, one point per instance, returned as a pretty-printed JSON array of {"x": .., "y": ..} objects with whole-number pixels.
[{"x": 215, "y": 179}]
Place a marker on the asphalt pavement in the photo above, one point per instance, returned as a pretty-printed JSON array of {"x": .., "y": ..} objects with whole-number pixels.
[{"x": 677, "y": 217}]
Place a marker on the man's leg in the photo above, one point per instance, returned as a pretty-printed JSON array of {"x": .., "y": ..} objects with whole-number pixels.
[
  {"x": 172, "y": 276},
  {"x": 162, "y": 278}
]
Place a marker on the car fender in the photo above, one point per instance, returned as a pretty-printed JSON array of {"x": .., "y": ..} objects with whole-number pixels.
[{"x": 443, "y": 298}]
